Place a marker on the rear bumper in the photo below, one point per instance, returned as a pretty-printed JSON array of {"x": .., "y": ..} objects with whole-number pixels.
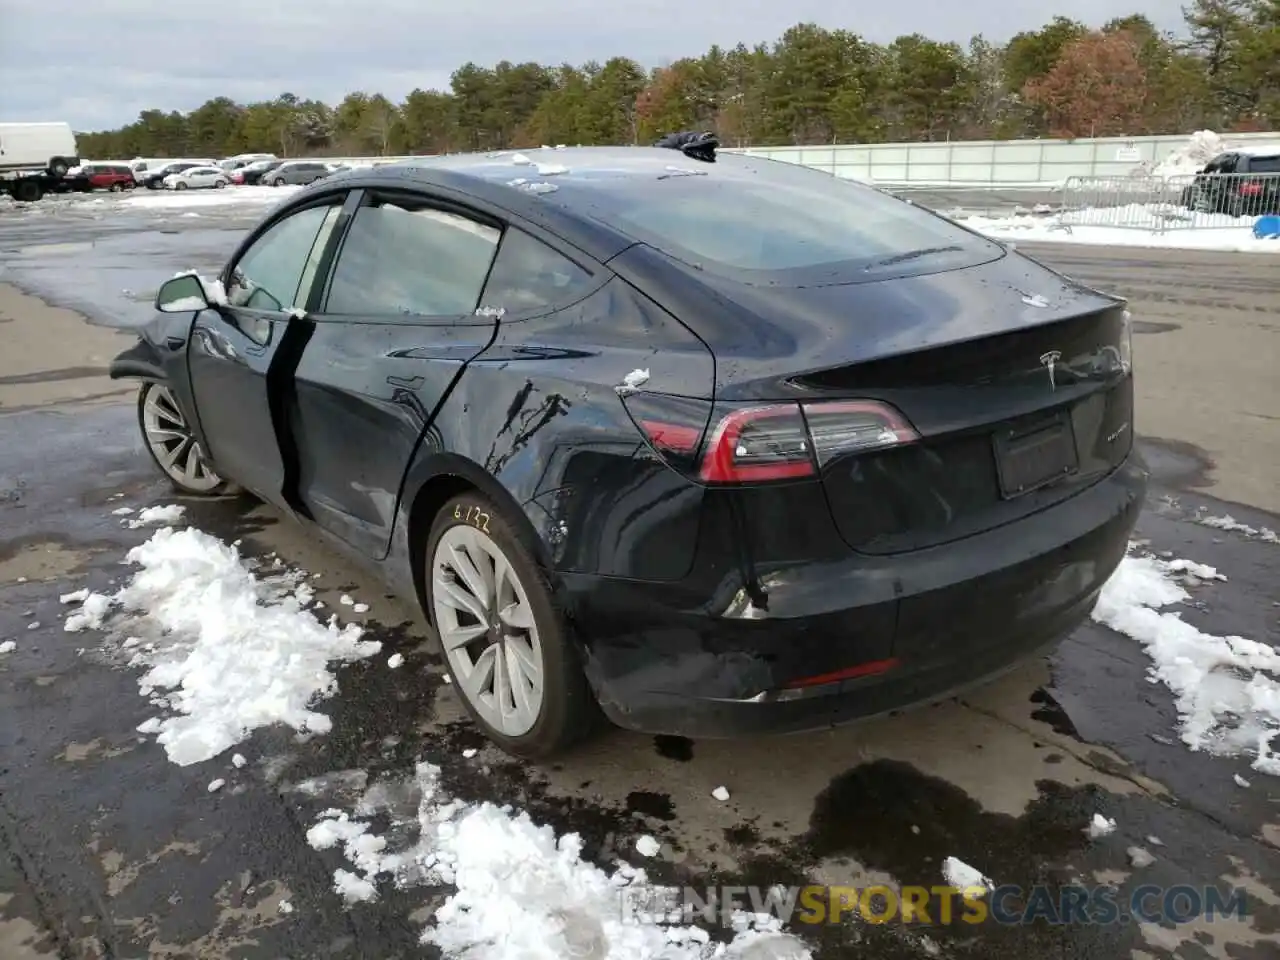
[{"x": 935, "y": 621}]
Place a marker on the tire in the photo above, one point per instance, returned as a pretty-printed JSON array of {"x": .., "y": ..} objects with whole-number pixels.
[
  {"x": 219, "y": 184},
  {"x": 115, "y": 188},
  {"x": 179, "y": 185},
  {"x": 566, "y": 709},
  {"x": 278, "y": 182},
  {"x": 58, "y": 166},
  {"x": 27, "y": 190},
  {"x": 172, "y": 447}
]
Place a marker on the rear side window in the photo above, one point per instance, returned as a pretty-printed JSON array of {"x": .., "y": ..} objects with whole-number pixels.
[
  {"x": 411, "y": 261},
  {"x": 528, "y": 276},
  {"x": 790, "y": 227},
  {"x": 1264, "y": 164}
]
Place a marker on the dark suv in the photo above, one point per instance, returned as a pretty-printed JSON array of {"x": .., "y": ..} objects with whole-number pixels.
[{"x": 1244, "y": 182}]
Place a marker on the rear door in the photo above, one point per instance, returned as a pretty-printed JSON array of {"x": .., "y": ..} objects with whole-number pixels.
[
  {"x": 394, "y": 330},
  {"x": 241, "y": 355}
]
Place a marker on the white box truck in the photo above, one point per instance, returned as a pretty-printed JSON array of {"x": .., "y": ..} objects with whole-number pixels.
[{"x": 34, "y": 158}]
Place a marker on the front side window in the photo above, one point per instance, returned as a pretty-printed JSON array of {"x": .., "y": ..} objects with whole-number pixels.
[
  {"x": 411, "y": 260},
  {"x": 528, "y": 276},
  {"x": 271, "y": 274}
]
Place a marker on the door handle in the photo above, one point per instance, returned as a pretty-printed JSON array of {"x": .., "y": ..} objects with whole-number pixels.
[{"x": 174, "y": 343}]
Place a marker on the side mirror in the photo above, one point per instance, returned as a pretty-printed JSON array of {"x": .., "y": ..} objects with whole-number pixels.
[{"x": 183, "y": 294}]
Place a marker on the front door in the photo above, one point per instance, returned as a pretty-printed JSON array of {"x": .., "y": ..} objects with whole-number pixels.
[{"x": 241, "y": 354}]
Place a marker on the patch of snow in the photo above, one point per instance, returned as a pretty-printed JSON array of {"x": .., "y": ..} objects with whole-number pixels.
[
  {"x": 195, "y": 199},
  {"x": 395, "y": 660},
  {"x": 1100, "y": 827},
  {"x": 521, "y": 160},
  {"x": 8, "y": 647},
  {"x": 1140, "y": 858},
  {"x": 1190, "y": 158},
  {"x": 360, "y": 608},
  {"x": 959, "y": 874},
  {"x": 469, "y": 752},
  {"x": 1155, "y": 841},
  {"x": 1226, "y": 689},
  {"x": 1228, "y": 522},
  {"x": 646, "y": 846},
  {"x": 1240, "y": 781},
  {"x": 720, "y": 793},
  {"x": 121, "y": 511},
  {"x": 237, "y": 653},
  {"x": 93, "y": 611},
  {"x": 286, "y": 907},
  {"x": 217, "y": 785},
  {"x": 238, "y": 760},
  {"x": 33, "y": 625},
  {"x": 523, "y": 893},
  {"x": 633, "y": 381},
  {"x": 346, "y": 600},
  {"x": 167, "y": 515},
  {"x": 551, "y": 169},
  {"x": 1232, "y": 234},
  {"x": 183, "y": 304},
  {"x": 76, "y": 596}
]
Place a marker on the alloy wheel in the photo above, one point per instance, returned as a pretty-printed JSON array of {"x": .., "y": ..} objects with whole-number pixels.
[
  {"x": 487, "y": 629},
  {"x": 172, "y": 443}
]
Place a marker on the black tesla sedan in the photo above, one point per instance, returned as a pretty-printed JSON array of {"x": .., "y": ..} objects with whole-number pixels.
[{"x": 714, "y": 448}]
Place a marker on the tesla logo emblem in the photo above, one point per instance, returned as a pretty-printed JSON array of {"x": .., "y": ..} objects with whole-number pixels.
[{"x": 1050, "y": 362}]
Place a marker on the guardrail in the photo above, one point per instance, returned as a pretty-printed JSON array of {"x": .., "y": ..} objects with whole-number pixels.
[{"x": 1161, "y": 204}]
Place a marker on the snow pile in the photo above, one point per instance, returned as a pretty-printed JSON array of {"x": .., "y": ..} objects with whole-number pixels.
[
  {"x": 232, "y": 652},
  {"x": 165, "y": 515},
  {"x": 521, "y": 892},
  {"x": 186, "y": 199},
  {"x": 1191, "y": 157},
  {"x": 1226, "y": 689},
  {"x": 1141, "y": 223},
  {"x": 1100, "y": 827},
  {"x": 959, "y": 874},
  {"x": 1230, "y": 523}
]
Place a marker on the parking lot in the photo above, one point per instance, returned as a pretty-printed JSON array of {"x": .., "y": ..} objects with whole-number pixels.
[{"x": 112, "y": 851}]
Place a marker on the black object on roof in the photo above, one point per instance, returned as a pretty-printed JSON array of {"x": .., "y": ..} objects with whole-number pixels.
[{"x": 698, "y": 146}]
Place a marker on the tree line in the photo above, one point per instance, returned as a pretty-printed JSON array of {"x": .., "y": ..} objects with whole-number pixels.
[{"x": 811, "y": 86}]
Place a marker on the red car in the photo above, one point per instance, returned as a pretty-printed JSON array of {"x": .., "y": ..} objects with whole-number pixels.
[{"x": 108, "y": 176}]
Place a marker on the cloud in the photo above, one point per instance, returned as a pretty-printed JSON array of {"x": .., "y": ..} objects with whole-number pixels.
[{"x": 97, "y": 66}]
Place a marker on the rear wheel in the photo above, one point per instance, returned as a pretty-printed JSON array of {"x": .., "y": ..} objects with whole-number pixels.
[
  {"x": 173, "y": 446},
  {"x": 28, "y": 190},
  {"x": 115, "y": 188},
  {"x": 219, "y": 184},
  {"x": 506, "y": 644},
  {"x": 58, "y": 166}
]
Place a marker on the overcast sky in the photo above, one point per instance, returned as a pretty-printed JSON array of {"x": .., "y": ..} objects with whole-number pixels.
[{"x": 96, "y": 65}]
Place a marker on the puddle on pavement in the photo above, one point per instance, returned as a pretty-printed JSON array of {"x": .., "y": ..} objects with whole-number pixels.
[{"x": 41, "y": 557}]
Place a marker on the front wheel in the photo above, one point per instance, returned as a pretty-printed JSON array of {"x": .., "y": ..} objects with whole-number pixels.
[
  {"x": 179, "y": 185},
  {"x": 219, "y": 184},
  {"x": 278, "y": 182},
  {"x": 506, "y": 645},
  {"x": 172, "y": 445}
]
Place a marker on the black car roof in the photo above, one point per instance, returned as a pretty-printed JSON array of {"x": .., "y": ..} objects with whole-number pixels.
[{"x": 508, "y": 182}]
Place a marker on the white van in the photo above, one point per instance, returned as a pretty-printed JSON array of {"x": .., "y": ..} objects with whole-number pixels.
[
  {"x": 243, "y": 160},
  {"x": 37, "y": 147}
]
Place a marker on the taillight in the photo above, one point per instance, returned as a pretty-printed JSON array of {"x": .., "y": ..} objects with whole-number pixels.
[
  {"x": 1250, "y": 189},
  {"x": 767, "y": 442}
]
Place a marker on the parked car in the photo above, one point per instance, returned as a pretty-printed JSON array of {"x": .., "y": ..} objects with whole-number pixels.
[
  {"x": 1243, "y": 182},
  {"x": 197, "y": 178},
  {"x": 107, "y": 176},
  {"x": 297, "y": 173},
  {"x": 718, "y": 448},
  {"x": 241, "y": 160},
  {"x": 252, "y": 174},
  {"x": 154, "y": 179}
]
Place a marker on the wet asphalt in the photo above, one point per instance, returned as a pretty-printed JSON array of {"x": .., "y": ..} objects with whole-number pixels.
[{"x": 107, "y": 850}]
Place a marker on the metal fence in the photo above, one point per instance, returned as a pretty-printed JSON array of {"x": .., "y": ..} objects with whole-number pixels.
[{"x": 1162, "y": 204}]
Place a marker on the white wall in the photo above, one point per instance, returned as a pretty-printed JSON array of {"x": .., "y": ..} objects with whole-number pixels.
[{"x": 990, "y": 162}]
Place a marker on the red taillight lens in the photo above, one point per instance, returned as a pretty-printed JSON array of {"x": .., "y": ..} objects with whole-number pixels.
[
  {"x": 1250, "y": 189},
  {"x": 759, "y": 444}
]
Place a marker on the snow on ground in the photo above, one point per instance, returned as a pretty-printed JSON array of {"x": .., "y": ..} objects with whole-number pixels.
[
  {"x": 1233, "y": 234},
  {"x": 1230, "y": 523},
  {"x": 1226, "y": 689},
  {"x": 957, "y": 873},
  {"x": 521, "y": 892},
  {"x": 186, "y": 199},
  {"x": 1190, "y": 158},
  {"x": 226, "y": 650}
]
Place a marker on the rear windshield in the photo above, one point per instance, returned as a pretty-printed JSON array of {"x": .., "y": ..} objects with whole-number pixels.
[{"x": 784, "y": 228}]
